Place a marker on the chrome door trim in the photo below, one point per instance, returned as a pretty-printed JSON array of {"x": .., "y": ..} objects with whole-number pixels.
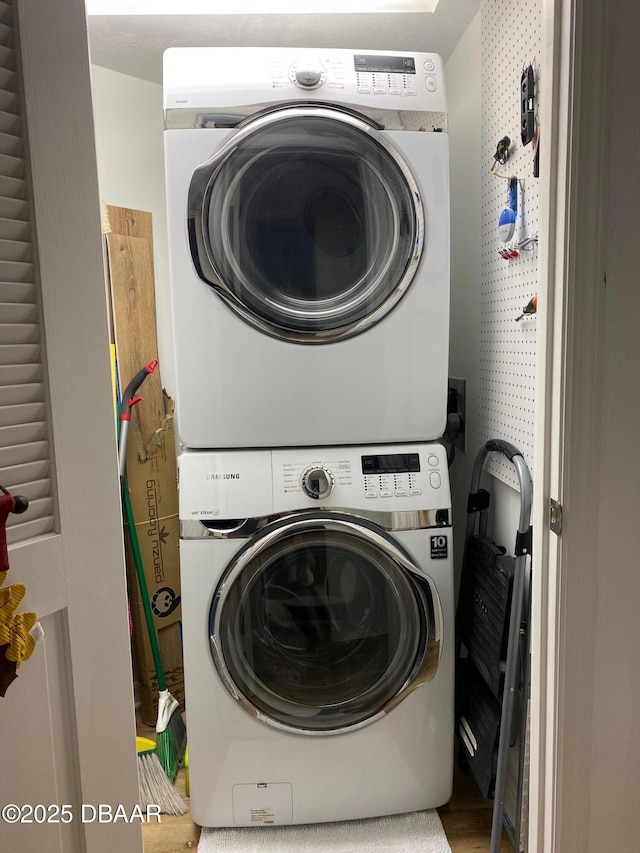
[
  {"x": 202, "y": 255},
  {"x": 430, "y": 651},
  {"x": 244, "y": 528}
]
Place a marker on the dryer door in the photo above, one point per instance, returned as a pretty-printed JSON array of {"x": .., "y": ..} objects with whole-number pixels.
[
  {"x": 322, "y": 623},
  {"x": 307, "y": 222}
]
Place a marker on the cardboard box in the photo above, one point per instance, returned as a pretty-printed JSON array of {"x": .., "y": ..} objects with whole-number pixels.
[{"x": 154, "y": 499}]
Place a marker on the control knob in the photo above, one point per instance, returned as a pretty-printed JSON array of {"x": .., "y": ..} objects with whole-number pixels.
[
  {"x": 317, "y": 482},
  {"x": 308, "y": 74}
]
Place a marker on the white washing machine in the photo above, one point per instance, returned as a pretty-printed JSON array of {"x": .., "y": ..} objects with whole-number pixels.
[
  {"x": 317, "y": 600},
  {"x": 308, "y": 216}
]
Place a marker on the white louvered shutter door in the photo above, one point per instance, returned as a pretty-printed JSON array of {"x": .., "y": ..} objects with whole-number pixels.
[
  {"x": 25, "y": 466},
  {"x": 56, "y": 418}
]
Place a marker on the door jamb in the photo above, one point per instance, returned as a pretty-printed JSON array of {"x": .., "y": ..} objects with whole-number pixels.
[{"x": 568, "y": 431}]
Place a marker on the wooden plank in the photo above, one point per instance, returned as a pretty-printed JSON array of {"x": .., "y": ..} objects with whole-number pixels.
[
  {"x": 128, "y": 222},
  {"x": 131, "y": 223},
  {"x": 134, "y": 315}
]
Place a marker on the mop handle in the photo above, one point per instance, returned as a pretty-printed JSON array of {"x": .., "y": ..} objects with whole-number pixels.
[
  {"x": 142, "y": 583},
  {"x": 129, "y": 400}
]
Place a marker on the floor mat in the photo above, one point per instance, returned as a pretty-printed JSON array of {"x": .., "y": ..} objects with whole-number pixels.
[{"x": 417, "y": 832}]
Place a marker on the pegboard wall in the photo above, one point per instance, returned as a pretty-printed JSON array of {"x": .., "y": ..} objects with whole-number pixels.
[{"x": 511, "y": 40}]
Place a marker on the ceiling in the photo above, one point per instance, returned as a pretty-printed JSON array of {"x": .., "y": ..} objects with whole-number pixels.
[{"x": 133, "y": 44}]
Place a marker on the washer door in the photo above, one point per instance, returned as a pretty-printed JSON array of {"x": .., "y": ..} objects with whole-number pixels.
[
  {"x": 323, "y": 623},
  {"x": 307, "y": 222}
]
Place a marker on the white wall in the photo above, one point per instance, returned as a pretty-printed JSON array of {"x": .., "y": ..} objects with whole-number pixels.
[
  {"x": 129, "y": 142},
  {"x": 463, "y": 72}
]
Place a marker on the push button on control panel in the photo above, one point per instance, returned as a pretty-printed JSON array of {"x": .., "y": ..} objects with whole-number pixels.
[{"x": 435, "y": 480}]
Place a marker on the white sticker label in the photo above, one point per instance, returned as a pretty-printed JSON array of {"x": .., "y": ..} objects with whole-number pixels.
[{"x": 265, "y": 815}]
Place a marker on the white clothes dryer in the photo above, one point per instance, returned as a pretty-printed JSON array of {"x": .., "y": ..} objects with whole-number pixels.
[
  {"x": 318, "y": 626},
  {"x": 308, "y": 219}
]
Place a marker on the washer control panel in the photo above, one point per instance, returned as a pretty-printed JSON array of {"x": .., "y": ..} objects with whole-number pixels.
[
  {"x": 232, "y": 484},
  {"x": 387, "y": 478}
]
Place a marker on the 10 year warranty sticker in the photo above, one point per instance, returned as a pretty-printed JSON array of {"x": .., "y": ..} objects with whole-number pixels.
[{"x": 439, "y": 547}]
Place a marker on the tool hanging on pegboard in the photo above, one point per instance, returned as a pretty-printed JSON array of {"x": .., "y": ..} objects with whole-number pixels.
[
  {"x": 525, "y": 244},
  {"x": 507, "y": 220},
  {"x": 502, "y": 151},
  {"x": 529, "y": 309},
  {"x": 529, "y": 128}
]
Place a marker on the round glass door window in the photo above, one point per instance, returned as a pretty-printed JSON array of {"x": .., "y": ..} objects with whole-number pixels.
[
  {"x": 317, "y": 626},
  {"x": 307, "y": 222}
]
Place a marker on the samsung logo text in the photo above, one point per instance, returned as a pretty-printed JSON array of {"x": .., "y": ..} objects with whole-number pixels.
[{"x": 223, "y": 476}]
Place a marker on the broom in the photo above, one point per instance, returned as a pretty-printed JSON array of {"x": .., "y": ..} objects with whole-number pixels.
[
  {"x": 154, "y": 789},
  {"x": 170, "y": 729}
]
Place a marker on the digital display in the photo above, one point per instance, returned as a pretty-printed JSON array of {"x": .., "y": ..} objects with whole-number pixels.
[
  {"x": 391, "y": 463},
  {"x": 384, "y": 64}
]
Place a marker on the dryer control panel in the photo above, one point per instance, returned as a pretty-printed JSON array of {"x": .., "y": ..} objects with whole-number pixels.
[
  {"x": 259, "y": 483},
  {"x": 214, "y": 78}
]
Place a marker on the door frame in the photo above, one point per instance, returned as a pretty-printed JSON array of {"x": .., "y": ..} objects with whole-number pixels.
[{"x": 568, "y": 426}]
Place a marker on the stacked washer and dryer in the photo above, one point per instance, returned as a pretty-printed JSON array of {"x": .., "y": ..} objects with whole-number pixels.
[{"x": 308, "y": 213}]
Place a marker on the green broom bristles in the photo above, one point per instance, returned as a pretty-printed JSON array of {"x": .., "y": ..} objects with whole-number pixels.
[{"x": 171, "y": 734}]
